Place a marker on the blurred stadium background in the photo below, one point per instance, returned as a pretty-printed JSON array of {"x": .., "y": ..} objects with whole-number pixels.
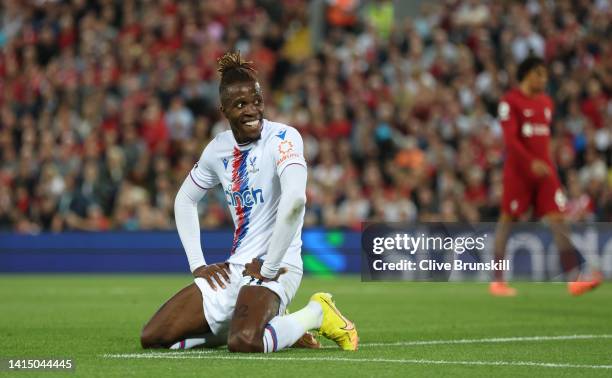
[{"x": 105, "y": 106}]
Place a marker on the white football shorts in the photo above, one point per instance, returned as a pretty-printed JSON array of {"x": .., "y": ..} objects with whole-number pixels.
[{"x": 219, "y": 304}]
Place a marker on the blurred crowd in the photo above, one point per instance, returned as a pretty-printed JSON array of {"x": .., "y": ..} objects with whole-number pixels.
[{"x": 106, "y": 105}]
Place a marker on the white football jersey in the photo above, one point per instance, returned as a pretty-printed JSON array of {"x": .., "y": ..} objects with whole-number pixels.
[{"x": 249, "y": 176}]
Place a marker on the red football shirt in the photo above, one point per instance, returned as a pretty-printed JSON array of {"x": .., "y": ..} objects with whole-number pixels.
[{"x": 526, "y": 124}]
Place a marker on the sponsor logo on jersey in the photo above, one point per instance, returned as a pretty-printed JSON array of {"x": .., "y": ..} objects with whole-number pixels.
[
  {"x": 282, "y": 134},
  {"x": 285, "y": 147},
  {"x": 534, "y": 129},
  {"x": 527, "y": 112},
  {"x": 286, "y": 151},
  {"x": 225, "y": 161},
  {"x": 248, "y": 197}
]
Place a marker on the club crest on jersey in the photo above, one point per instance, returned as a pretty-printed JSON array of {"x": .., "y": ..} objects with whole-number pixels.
[
  {"x": 225, "y": 161},
  {"x": 282, "y": 134},
  {"x": 252, "y": 168}
]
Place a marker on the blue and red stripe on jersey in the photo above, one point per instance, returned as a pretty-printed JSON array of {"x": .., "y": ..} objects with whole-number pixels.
[{"x": 240, "y": 183}]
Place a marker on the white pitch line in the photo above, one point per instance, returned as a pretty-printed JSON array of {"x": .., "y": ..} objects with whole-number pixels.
[
  {"x": 352, "y": 360},
  {"x": 488, "y": 340},
  {"x": 400, "y": 343},
  {"x": 200, "y": 352}
]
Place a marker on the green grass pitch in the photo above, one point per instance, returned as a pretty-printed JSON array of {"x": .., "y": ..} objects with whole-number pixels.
[{"x": 90, "y": 318}]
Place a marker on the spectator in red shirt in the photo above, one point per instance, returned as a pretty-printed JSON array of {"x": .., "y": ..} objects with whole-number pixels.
[
  {"x": 153, "y": 129},
  {"x": 594, "y": 106}
]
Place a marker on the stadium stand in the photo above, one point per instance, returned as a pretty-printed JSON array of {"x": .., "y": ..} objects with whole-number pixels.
[{"x": 106, "y": 105}]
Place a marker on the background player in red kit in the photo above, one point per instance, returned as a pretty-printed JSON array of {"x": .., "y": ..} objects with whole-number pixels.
[{"x": 530, "y": 178}]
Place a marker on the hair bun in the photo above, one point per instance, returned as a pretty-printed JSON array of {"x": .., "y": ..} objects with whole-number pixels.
[{"x": 232, "y": 60}]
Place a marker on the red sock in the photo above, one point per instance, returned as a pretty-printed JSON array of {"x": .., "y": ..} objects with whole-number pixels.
[
  {"x": 569, "y": 263},
  {"x": 498, "y": 274}
]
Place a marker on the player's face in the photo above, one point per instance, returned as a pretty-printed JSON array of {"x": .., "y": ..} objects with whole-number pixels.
[
  {"x": 242, "y": 105},
  {"x": 538, "y": 78}
]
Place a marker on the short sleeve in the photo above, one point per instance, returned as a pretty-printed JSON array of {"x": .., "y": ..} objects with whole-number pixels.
[
  {"x": 288, "y": 148},
  {"x": 202, "y": 173}
]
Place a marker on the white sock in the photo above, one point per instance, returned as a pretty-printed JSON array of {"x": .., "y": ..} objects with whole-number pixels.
[
  {"x": 283, "y": 331},
  {"x": 208, "y": 340}
]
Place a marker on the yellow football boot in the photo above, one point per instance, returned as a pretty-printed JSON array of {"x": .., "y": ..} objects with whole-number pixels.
[{"x": 335, "y": 326}]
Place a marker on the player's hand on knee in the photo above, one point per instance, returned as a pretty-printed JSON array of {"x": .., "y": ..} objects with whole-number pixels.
[
  {"x": 253, "y": 269},
  {"x": 214, "y": 273}
]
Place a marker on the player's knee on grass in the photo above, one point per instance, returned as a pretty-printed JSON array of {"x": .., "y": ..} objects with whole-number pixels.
[
  {"x": 181, "y": 316},
  {"x": 245, "y": 341},
  {"x": 154, "y": 337},
  {"x": 149, "y": 338},
  {"x": 255, "y": 307}
]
